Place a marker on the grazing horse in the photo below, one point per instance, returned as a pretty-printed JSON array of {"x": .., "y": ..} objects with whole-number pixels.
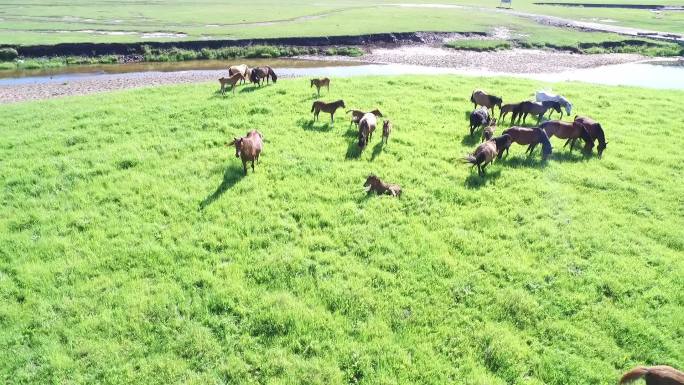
[
  {"x": 654, "y": 375},
  {"x": 367, "y": 125},
  {"x": 568, "y": 130},
  {"x": 479, "y": 118},
  {"x": 553, "y": 106},
  {"x": 530, "y": 137},
  {"x": 506, "y": 109},
  {"x": 386, "y": 130},
  {"x": 595, "y": 132},
  {"x": 479, "y": 97},
  {"x": 325, "y": 82},
  {"x": 330, "y": 108},
  {"x": 543, "y": 96},
  {"x": 488, "y": 132},
  {"x": 358, "y": 114},
  {"x": 527, "y": 107},
  {"x": 241, "y": 69},
  {"x": 260, "y": 73},
  {"x": 373, "y": 183},
  {"x": 233, "y": 80},
  {"x": 485, "y": 153},
  {"x": 248, "y": 148}
]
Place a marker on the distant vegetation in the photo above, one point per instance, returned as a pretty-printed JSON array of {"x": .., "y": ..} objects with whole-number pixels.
[{"x": 479, "y": 44}]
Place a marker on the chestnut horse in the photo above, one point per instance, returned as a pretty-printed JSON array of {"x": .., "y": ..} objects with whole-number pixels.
[
  {"x": 330, "y": 108},
  {"x": 479, "y": 97},
  {"x": 373, "y": 183},
  {"x": 567, "y": 130},
  {"x": 595, "y": 132},
  {"x": 654, "y": 375},
  {"x": 233, "y": 80},
  {"x": 485, "y": 153},
  {"x": 248, "y": 148},
  {"x": 530, "y": 137}
]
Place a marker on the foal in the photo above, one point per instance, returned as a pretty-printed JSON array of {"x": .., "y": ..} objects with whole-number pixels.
[
  {"x": 485, "y": 153},
  {"x": 373, "y": 183},
  {"x": 248, "y": 148},
  {"x": 233, "y": 80},
  {"x": 386, "y": 130},
  {"x": 325, "y": 82},
  {"x": 488, "y": 132},
  {"x": 330, "y": 108}
]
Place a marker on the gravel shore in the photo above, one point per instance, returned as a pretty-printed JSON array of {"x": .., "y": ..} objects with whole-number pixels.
[{"x": 512, "y": 61}]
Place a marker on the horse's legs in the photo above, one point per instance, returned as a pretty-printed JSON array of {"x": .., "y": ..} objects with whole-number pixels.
[
  {"x": 572, "y": 144},
  {"x": 244, "y": 166},
  {"x": 566, "y": 143},
  {"x": 332, "y": 118},
  {"x": 252, "y": 166}
]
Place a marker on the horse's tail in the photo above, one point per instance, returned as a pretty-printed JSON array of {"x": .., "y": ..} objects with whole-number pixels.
[
  {"x": 313, "y": 106},
  {"x": 474, "y": 159},
  {"x": 633, "y": 375}
]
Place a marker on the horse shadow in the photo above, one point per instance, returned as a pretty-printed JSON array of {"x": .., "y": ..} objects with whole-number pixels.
[
  {"x": 529, "y": 161},
  {"x": 309, "y": 125},
  {"x": 476, "y": 181},
  {"x": 353, "y": 151},
  {"x": 377, "y": 149},
  {"x": 250, "y": 89},
  {"x": 567, "y": 156},
  {"x": 471, "y": 140},
  {"x": 351, "y": 132},
  {"x": 231, "y": 177},
  {"x": 467, "y": 115}
]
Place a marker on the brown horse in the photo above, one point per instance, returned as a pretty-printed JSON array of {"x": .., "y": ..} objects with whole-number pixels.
[
  {"x": 654, "y": 375},
  {"x": 325, "y": 82},
  {"x": 488, "y": 132},
  {"x": 530, "y": 137},
  {"x": 567, "y": 130},
  {"x": 506, "y": 109},
  {"x": 367, "y": 125},
  {"x": 595, "y": 132},
  {"x": 373, "y": 183},
  {"x": 479, "y": 97},
  {"x": 242, "y": 69},
  {"x": 485, "y": 153},
  {"x": 358, "y": 114},
  {"x": 233, "y": 80},
  {"x": 330, "y": 108},
  {"x": 260, "y": 73},
  {"x": 248, "y": 148},
  {"x": 534, "y": 108},
  {"x": 386, "y": 130}
]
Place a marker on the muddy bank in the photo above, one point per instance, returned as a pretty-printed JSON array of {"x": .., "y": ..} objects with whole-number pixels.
[
  {"x": 101, "y": 49},
  {"x": 511, "y": 61},
  {"x": 657, "y": 7}
]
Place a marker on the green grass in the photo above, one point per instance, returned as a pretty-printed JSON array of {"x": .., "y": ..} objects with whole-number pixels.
[
  {"x": 479, "y": 44},
  {"x": 36, "y": 22},
  {"x": 135, "y": 252}
]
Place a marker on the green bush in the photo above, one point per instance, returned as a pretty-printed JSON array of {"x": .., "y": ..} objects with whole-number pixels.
[
  {"x": 479, "y": 45},
  {"x": 8, "y": 54}
]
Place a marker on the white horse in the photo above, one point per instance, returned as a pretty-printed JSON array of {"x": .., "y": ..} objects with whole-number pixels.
[
  {"x": 241, "y": 69},
  {"x": 545, "y": 96}
]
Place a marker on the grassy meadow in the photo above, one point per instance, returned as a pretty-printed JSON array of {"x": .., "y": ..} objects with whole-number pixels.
[
  {"x": 135, "y": 252},
  {"x": 38, "y": 22}
]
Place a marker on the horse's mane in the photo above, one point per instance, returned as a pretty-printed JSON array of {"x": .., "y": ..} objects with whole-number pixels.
[{"x": 600, "y": 135}]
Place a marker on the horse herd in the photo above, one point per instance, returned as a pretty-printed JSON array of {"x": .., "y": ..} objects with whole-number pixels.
[
  {"x": 492, "y": 147},
  {"x": 240, "y": 73}
]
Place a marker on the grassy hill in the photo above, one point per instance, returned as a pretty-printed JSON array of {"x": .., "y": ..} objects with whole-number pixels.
[{"x": 135, "y": 252}]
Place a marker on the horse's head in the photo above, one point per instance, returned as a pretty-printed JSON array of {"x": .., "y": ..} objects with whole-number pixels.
[
  {"x": 274, "y": 77},
  {"x": 600, "y": 148},
  {"x": 567, "y": 105},
  {"x": 496, "y": 101},
  {"x": 492, "y": 122},
  {"x": 341, "y": 103},
  {"x": 503, "y": 142},
  {"x": 312, "y": 82},
  {"x": 371, "y": 181},
  {"x": 377, "y": 113},
  {"x": 237, "y": 142}
]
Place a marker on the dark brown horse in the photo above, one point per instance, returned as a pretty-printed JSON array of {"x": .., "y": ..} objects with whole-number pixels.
[
  {"x": 595, "y": 132},
  {"x": 654, "y": 375},
  {"x": 325, "y": 82},
  {"x": 506, "y": 109},
  {"x": 485, "y": 153},
  {"x": 568, "y": 130},
  {"x": 534, "y": 108},
  {"x": 260, "y": 73},
  {"x": 530, "y": 137},
  {"x": 330, "y": 108},
  {"x": 248, "y": 148}
]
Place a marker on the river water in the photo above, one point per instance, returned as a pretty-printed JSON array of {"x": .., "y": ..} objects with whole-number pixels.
[{"x": 651, "y": 74}]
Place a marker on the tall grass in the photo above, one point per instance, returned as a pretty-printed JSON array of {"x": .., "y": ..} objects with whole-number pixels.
[{"x": 134, "y": 251}]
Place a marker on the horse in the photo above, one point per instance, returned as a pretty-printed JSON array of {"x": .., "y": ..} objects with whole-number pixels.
[
  {"x": 358, "y": 114},
  {"x": 479, "y": 97},
  {"x": 386, "y": 130},
  {"x": 506, "y": 109},
  {"x": 542, "y": 96},
  {"x": 233, "y": 80},
  {"x": 479, "y": 118},
  {"x": 485, "y": 153},
  {"x": 330, "y": 108},
  {"x": 553, "y": 106},
  {"x": 568, "y": 130},
  {"x": 261, "y": 73},
  {"x": 367, "y": 125},
  {"x": 488, "y": 132},
  {"x": 242, "y": 69},
  {"x": 530, "y": 137},
  {"x": 595, "y": 132},
  {"x": 248, "y": 148},
  {"x": 654, "y": 375},
  {"x": 325, "y": 82},
  {"x": 373, "y": 183},
  {"x": 527, "y": 107}
]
